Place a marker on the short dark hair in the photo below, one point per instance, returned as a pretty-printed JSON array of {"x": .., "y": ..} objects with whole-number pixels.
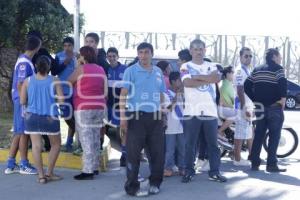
[
  {"x": 163, "y": 65},
  {"x": 43, "y": 64},
  {"x": 145, "y": 45},
  {"x": 197, "y": 41},
  {"x": 243, "y": 49},
  {"x": 95, "y": 36},
  {"x": 185, "y": 55},
  {"x": 113, "y": 50},
  {"x": 35, "y": 33},
  {"x": 174, "y": 76},
  {"x": 68, "y": 40},
  {"x": 32, "y": 43},
  {"x": 89, "y": 54},
  {"x": 226, "y": 71},
  {"x": 270, "y": 53}
]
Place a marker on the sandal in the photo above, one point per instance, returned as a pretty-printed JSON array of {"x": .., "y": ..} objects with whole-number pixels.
[
  {"x": 42, "y": 180},
  {"x": 53, "y": 177}
]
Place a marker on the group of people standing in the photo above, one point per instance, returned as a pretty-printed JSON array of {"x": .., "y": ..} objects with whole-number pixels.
[{"x": 171, "y": 115}]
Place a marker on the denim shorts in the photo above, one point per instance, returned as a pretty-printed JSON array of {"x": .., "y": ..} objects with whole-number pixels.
[{"x": 41, "y": 124}]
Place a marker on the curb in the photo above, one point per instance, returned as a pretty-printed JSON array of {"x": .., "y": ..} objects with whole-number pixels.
[{"x": 66, "y": 160}]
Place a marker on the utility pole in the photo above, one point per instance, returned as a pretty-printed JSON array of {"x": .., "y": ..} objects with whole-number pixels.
[{"x": 76, "y": 26}]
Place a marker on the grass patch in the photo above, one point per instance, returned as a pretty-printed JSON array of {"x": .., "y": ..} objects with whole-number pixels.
[{"x": 6, "y": 121}]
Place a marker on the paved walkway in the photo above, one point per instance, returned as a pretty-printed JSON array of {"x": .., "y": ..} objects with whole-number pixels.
[{"x": 242, "y": 184}]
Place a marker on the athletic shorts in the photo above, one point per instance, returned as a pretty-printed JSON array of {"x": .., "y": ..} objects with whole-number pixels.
[
  {"x": 243, "y": 127},
  {"x": 18, "y": 122}
]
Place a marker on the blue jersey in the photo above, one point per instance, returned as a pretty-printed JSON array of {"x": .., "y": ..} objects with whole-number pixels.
[
  {"x": 23, "y": 69},
  {"x": 66, "y": 72},
  {"x": 115, "y": 77}
]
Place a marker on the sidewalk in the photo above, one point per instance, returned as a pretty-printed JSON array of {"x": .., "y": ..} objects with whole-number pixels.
[{"x": 242, "y": 184}]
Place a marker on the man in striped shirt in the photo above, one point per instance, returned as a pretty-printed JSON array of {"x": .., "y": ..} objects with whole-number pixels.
[{"x": 267, "y": 88}]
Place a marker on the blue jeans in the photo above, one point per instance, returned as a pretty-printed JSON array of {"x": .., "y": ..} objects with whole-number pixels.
[
  {"x": 271, "y": 119},
  {"x": 174, "y": 142},
  {"x": 205, "y": 128}
]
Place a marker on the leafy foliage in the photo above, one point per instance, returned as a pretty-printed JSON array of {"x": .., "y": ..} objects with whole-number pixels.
[{"x": 49, "y": 17}]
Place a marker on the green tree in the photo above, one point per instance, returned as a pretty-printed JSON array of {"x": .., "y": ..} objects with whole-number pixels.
[
  {"x": 18, "y": 17},
  {"x": 49, "y": 17}
]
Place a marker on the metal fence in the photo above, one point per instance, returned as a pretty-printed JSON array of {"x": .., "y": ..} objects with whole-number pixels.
[{"x": 220, "y": 48}]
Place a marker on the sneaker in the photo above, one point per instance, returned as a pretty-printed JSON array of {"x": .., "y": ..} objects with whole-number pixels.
[
  {"x": 241, "y": 163},
  {"x": 218, "y": 178},
  {"x": 199, "y": 164},
  {"x": 28, "y": 169},
  {"x": 187, "y": 178},
  {"x": 123, "y": 161},
  {"x": 15, "y": 169},
  {"x": 67, "y": 148},
  {"x": 78, "y": 152},
  {"x": 141, "y": 193},
  {"x": 154, "y": 190},
  {"x": 84, "y": 176},
  {"x": 205, "y": 167}
]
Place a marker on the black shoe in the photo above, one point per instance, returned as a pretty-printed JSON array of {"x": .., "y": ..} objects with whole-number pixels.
[
  {"x": 218, "y": 178},
  {"x": 275, "y": 169},
  {"x": 187, "y": 178},
  {"x": 84, "y": 176},
  {"x": 96, "y": 172},
  {"x": 123, "y": 161},
  {"x": 254, "y": 168}
]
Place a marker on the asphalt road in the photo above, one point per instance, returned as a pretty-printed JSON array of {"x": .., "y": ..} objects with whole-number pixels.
[{"x": 242, "y": 184}]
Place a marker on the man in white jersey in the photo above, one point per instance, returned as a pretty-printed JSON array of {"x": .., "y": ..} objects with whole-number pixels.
[
  {"x": 200, "y": 112},
  {"x": 244, "y": 106}
]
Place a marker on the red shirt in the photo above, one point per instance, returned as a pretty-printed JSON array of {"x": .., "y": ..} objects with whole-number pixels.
[{"x": 89, "y": 89}]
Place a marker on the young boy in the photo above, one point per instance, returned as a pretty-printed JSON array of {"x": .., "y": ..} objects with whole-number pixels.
[
  {"x": 23, "y": 69},
  {"x": 66, "y": 61},
  {"x": 115, "y": 75},
  {"x": 174, "y": 131}
]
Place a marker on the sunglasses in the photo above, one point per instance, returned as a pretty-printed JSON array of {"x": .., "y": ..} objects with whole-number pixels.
[{"x": 248, "y": 56}]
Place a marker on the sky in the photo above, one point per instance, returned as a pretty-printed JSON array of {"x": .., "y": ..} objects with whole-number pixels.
[{"x": 231, "y": 17}]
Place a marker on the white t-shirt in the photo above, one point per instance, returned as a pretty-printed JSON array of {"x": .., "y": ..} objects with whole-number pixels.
[
  {"x": 202, "y": 100},
  {"x": 240, "y": 76},
  {"x": 174, "y": 124}
]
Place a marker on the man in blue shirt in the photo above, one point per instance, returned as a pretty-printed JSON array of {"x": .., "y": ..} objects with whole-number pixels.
[
  {"x": 115, "y": 76},
  {"x": 23, "y": 69},
  {"x": 143, "y": 87},
  {"x": 66, "y": 60}
]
